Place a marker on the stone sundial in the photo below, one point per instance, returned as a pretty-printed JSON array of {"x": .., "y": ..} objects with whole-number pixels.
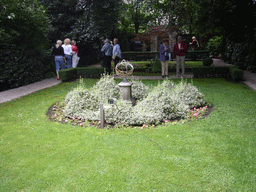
[{"x": 125, "y": 68}]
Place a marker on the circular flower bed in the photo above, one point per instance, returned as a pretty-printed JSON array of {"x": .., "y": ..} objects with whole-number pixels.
[{"x": 167, "y": 102}]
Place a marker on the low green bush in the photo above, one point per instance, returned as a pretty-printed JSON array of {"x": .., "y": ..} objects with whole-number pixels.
[
  {"x": 207, "y": 61},
  {"x": 89, "y": 72},
  {"x": 139, "y": 55},
  {"x": 67, "y": 74},
  {"x": 86, "y": 72},
  {"x": 139, "y": 90},
  {"x": 156, "y": 65},
  {"x": 213, "y": 71},
  {"x": 148, "y": 55},
  {"x": 236, "y": 74},
  {"x": 166, "y": 101}
]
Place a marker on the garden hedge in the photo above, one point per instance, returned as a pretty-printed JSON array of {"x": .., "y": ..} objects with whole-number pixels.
[
  {"x": 67, "y": 74},
  {"x": 85, "y": 72},
  {"x": 236, "y": 74},
  {"x": 90, "y": 72},
  {"x": 148, "y": 55},
  {"x": 213, "y": 71},
  {"x": 199, "y": 72}
]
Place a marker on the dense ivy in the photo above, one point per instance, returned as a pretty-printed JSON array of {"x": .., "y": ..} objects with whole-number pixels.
[{"x": 23, "y": 41}]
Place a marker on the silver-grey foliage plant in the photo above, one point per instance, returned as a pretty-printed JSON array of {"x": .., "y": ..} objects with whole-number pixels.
[{"x": 164, "y": 102}]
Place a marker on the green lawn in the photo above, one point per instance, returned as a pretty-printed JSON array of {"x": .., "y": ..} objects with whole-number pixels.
[{"x": 214, "y": 154}]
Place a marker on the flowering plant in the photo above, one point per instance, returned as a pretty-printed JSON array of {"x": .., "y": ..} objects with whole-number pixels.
[{"x": 166, "y": 101}]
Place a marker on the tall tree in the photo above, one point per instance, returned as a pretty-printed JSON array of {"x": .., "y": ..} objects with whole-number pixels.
[
  {"x": 23, "y": 41},
  {"x": 180, "y": 13},
  {"x": 63, "y": 14},
  {"x": 99, "y": 19},
  {"x": 231, "y": 18},
  {"x": 139, "y": 13}
]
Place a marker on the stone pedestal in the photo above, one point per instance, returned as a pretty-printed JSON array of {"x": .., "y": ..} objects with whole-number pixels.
[{"x": 126, "y": 91}]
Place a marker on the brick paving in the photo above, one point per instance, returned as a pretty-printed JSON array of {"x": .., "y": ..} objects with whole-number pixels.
[{"x": 5, "y": 96}]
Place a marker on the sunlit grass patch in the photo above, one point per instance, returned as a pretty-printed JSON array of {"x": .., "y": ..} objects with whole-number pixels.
[{"x": 216, "y": 153}]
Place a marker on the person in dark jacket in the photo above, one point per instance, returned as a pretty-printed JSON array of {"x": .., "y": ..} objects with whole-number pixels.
[
  {"x": 107, "y": 50},
  {"x": 59, "y": 57}
]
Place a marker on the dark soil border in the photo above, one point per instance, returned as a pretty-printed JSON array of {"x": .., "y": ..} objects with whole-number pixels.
[{"x": 57, "y": 108}]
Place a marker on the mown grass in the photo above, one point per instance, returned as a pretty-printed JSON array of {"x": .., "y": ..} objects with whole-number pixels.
[{"x": 214, "y": 154}]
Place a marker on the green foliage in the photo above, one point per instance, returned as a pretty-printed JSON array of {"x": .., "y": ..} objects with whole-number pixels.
[
  {"x": 216, "y": 153},
  {"x": 86, "y": 72},
  {"x": 155, "y": 65},
  {"x": 23, "y": 40},
  {"x": 149, "y": 55},
  {"x": 99, "y": 19},
  {"x": 236, "y": 74},
  {"x": 62, "y": 14},
  {"x": 207, "y": 61},
  {"x": 68, "y": 74},
  {"x": 81, "y": 103},
  {"x": 237, "y": 32},
  {"x": 213, "y": 71},
  {"x": 139, "y": 56},
  {"x": 138, "y": 14},
  {"x": 139, "y": 90},
  {"x": 166, "y": 101},
  {"x": 74, "y": 73},
  {"x": 214, "y": 45},
  {"x": 105, "y": 89}
]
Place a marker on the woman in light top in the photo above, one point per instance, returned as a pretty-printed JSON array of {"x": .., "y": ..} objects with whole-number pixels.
[
  {"x": 68, "y": 52},
  {"x": 75, "y": 57}
]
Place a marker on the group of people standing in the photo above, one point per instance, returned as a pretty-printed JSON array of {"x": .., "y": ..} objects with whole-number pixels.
[
  {"x": 110, "y": 51},
  {"x": 65, "y": 53},
  {"x": 179, "y": 51}
]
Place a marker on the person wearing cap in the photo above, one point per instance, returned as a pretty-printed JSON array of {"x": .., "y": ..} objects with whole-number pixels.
[
  {"x": 164, "y": 51},
  {"x": 179, "y": 51},
  {"x": 107, "y": 50}
]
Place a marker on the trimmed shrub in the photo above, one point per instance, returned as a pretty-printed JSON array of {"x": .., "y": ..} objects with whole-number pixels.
[
  {"x": 139, "y": 90},
  {"x": 139, "y": 56},
  {"x": 156, "y": 65},
  {"x": 166, "y": 101},
  {"x": 86, "y": 72},
  {"x": 148, "y": 55},
  {"x": 105, "y": 89},
  {"x": 67, "y": 74},
  {"x": 213, "y": 71},
  {"x": 19, "y": 67},
  {"x": 81, "y": 103},
  {"x": 236, "y": 74},
  {"x": 207, "y": 61},
  {"x": 89, "y": 72}
]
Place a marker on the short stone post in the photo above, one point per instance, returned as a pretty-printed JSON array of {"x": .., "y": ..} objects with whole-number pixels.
[
  {"x": 125, "y": 90},
  {"x": 102, "y": 116}
]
